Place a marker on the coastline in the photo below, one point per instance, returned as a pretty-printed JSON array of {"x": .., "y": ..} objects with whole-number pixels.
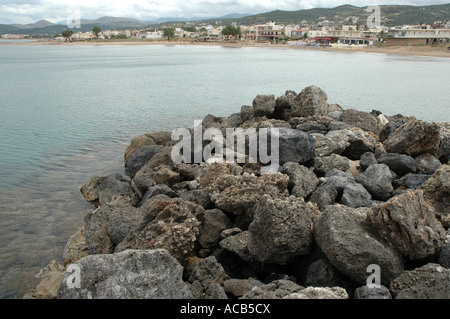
[{"x": 428, "y": 51}]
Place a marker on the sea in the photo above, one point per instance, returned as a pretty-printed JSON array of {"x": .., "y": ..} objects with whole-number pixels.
[{"x": 67, "y": 113}]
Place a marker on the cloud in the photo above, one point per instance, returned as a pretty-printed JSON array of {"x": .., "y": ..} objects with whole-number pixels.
[{"x": 27, "y": 11}]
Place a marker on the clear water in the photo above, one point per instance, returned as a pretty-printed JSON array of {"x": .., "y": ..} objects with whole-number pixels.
[{"x": 68, "y": 112}]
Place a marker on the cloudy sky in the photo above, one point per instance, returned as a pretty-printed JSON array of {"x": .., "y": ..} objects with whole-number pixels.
[{"x": 29, "y": 11}]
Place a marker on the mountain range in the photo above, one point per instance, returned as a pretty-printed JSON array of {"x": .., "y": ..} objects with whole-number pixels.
[{"x": 392, "y": 15}]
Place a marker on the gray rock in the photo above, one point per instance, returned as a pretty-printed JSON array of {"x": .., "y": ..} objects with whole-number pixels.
[
  {"x": 310, "y": 102},
  {"x": 360, "y": 142},
  {"x": 322, "y": 273},
  {"x": 430, "y": 281},
  {"x": 327, "y": 145},
  {"x": 115, "y": 186},
  {"x": 328, "y": 163},
  {"x": 414, "y": 181},
  {"x": 275, "y": 290},
  {"x": 363, "y": 120},
  {"x": 302, "y": 181},
  {"x": 399, "y": 163},
  {"x": 437, "y": 193},
  {"x": 157, "y": 190},
  {"x": 234, "y": 120},
  {"x": 295, "y": 146},
  {"x": 408, "y": 222},
  {"x": 237, "y": 244},
  {"x": 377, "y": 179},
  {"x": 160, "y": 137},
  {"x": 205, "y": 276},
  {"x": 355, "y": 195},
  {"x": 365, "y": 292},
  {"x": 198, "y": 196},
  {"x": 414, "y": 138},
  {"x": 351, "y": 244},
  {"x": 444, "y": 255},
  {"x": 239, "y": 287},
  {"x": 247, "y": 113},
  {"x": 90, "y": 190},
  {"x": 132, "y": 274},
  {"x": 443, "y": 151},
  {"x": 140, "y": 157},
  {"x": 324, "y": 196},
  {"x": 427, "y": 164},
  {"x": 213, "y": 223},
  {"x": 137, "y": 143},
  {"x": 312, "y": 126},
  {"x": 335, "y": 115},
  {"x": 392, "y": 126},
  {"x": 367, "y": 159},
  {"x": 337, "y": 125},
  {"x": 319, "y": 293},
  {"x": 264, "y": 105}
]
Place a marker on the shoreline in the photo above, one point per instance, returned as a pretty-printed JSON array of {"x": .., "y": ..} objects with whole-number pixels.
[{"x": 426, "y": 51}]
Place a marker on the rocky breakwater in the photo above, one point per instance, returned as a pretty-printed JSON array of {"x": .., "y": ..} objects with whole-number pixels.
[{"x": 358, "y": 199}]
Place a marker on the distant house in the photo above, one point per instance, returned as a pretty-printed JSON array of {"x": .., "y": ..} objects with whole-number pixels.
[
  {"x": 417, "y": 35},
  {"x": 265, "y": 32}
]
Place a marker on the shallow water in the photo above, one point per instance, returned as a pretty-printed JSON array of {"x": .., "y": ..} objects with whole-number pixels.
[{"x": 68, "y": 113}]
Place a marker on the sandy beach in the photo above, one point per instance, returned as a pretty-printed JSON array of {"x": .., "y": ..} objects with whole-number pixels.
[{"x": 441, "y": 52}]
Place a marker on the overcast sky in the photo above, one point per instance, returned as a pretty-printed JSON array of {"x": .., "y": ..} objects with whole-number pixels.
[{"x": 29, "y": 11}]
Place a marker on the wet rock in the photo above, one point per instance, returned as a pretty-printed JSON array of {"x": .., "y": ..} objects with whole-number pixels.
[
  {"x": 264, "y": 105},
  {"x": 363, "y": 120},
  {"x": 140, "y": 157},
  {"x": 205, "y": 277},
  {"x": 399, "y": 163},
  {"x": 351, "y": 244},
  {"x": 414, "y": 138},
  {"x": 132, "y": 274},
  {"x": 169, "y": 224},
  {"x": 281, "y": 230},
  {"x": 365, "y": 292},
  {"x": 310, "y": 102},
  {"x": 407, "y": 221},
  {"x": 137, "y": 143},
  {"x": 377, "y": 179},
  {"x": 319, "y": 293},
  {"x": 274, "y": 290},
  {"x": 328, "y": 163},
  {"x": 213, "y": 223},
  {"x": 302, "y": 181},
  {"x": 430, "y": 281},
  {"x": 367, "y": 159},
  {"x": 427, "y": 164}
]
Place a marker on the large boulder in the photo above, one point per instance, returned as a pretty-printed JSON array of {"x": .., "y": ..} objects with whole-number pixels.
[
  {"x": 281, "y": 230},
  {"x": 247, "y": 113},
  {"x": 115, "y": 186},
  {"x": 427, "y": 164},
  {"x": 414, "y": 138},
  {"x": 137, "y": 143},
  {"x": 363, "y": 120},
  {"x": 310, "y": 102},
  {"x": 377, "y": 179},
  {"x": 408, "y": 222},
  {"x": 359, "y": 141},
  {"x": 264, "y": 105},
  {"x": 302, "y": 181},
  {"x": 140, "y": 157},
  {"x": 330, "y": 144},
  {"x": 132, "y": 274},
  {"x": 401, "y": 164},
  {"x": 351, "y": 244},
  {"x": 295, "y": 146},
  {"x": 430, "y": 281}
]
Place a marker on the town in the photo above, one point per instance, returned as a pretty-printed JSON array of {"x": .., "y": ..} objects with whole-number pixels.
[{"x": 323, "y": 33}]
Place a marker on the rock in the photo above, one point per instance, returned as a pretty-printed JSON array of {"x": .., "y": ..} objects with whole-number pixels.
[
  {"x": 140, "y": 157},
  {"x": 302, "y": 181},
  {"x": 351, "y": 244},
  {"x": 414, "y": 138},
  {"x": 237, "y": 244},
  {"x": 392, "y": 126},
  {"x": 205, "y": 274},
  {"x": 355, "y": 195},
  {"x": 170, "y": 224},
  {"x": 337, "y": 125},
  {"x": 377, "y": 179},
  {"x": 443, "y": 152},
  {"x": 336, "y": 115},
  {"x": 360, "y": 142},
  {"x": 132, "y": 274},
  {"x": 113, "y": 187},
  {"x": 247, "y": 113},
  {"x": 319, "y": 293},
  {"x": 51, "y": 278},
  {"x": 414, "y": 181},
  {"x": 153, "y": 191},
  {"x": 90, "y": 190},
  {"x": 367, "y": 159},
  {"x": 427, "y": 164},
  {"x": 363, "y": 120},
  {"x": 430, "y": 281},
  {"x": 444, "y": 255},
  {"x": 274, "y": 290},
  {"x": 137, "y": 143},
  {"x": 295, "y": 146},
  {"x": 281, "y": 230},
  {"x": 149, "y": 176},
  {"x": 313, "y": 126},
  {"x": 239, "y": 287},
  {"x": 437, "y": 193},
  {"x": 107, "y": 226},
  {"x": 234, "y": 120},
  {"x": 408, "y": 222},
  {"x": 198, "y": 196},
  {"x": 160, "y": 137},
  {"x": 327, "y": 145},
  {"x": 399, "y": 163},
  {"x": 76, "y": 247},
  {"x": 264, "y": 105},
  {"x": 324, "y": 196},
  {"x": 212, "y": 224},
  {"x": 365, "y": 292},
  {"x": 327, "y": 163},
  {"x": 322, "y": 273},
  {"x": 310, "y": 102}
]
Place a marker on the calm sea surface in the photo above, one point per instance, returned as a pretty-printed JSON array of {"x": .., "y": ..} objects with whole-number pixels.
[{"x": 68, "y": 112}]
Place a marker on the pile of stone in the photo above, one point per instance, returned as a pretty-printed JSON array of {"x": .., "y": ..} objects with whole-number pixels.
[{"x": 353, "y": 190}]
